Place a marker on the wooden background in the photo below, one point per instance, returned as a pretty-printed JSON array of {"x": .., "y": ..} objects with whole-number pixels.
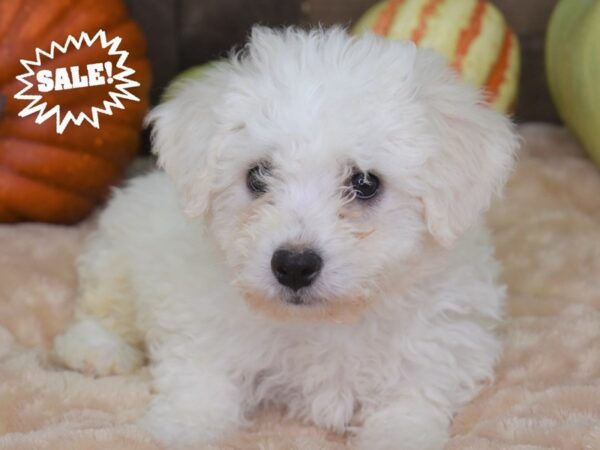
[{"x": 183, "y": 33}]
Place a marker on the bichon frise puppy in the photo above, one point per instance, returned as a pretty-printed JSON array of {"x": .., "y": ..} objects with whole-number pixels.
[{"x": 313, "y": 242}]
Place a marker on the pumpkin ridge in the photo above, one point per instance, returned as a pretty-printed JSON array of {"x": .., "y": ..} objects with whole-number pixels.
[
  {"x": 68, "y": 148},
  {"x": 13, "y": 67},
  {"x": 119, "y": 156},
  {"x": 8, "y": 19},
  {"x": 66, "y": 18},
  {"x": 12, "y": 172},
  {"x": 107, "y": 31},
  {"x": 82, "y": 202},
  {"x": 65, "y": 12},
  {"x": 8, "y": 214},
  {"x": 23, "y": 16},
  {"x": 41, "y": 181}
]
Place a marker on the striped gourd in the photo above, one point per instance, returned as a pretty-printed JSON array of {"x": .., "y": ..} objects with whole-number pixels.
[{"x": 471, "y": 34}]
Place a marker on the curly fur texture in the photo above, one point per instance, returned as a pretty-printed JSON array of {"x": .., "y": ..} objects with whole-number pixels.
[{"x": 395, "y": 334}]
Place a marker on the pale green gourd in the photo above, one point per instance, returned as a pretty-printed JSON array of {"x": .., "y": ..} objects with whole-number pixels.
[{"x": 573, "y": 68}]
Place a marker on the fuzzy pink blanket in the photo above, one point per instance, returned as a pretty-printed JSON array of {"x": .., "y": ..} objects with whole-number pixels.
[{"x": 547, "y": 391}]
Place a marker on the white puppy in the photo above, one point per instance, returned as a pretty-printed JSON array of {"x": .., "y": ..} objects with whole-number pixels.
[{"x": 313, "y": 243}]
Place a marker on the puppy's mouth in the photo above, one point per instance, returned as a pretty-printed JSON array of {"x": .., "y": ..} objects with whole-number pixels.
[
  {"x": 296, "y": 300},
  {"x": 300, "y": 299},
  {"x": 298, "y": 307}
]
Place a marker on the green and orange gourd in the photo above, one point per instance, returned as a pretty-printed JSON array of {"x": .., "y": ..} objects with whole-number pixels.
[{"x": 471, "y": 34}]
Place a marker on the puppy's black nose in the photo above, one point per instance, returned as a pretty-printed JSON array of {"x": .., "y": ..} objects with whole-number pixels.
[{"x": 296, "y": 269}]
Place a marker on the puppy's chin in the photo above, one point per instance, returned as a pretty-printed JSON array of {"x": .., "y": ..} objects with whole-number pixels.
[{"x": 339, "y": 310}]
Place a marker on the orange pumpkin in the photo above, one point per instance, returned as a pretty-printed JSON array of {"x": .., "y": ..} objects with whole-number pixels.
[{"x": 60, "y": 178}]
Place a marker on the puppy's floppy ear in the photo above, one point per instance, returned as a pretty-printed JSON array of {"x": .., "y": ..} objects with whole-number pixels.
[
  {"x": 183, "y": 137},
  {"x": 475, "y": 152}
]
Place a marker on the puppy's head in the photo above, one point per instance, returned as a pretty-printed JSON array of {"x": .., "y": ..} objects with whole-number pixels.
[{"x": 322, "y": 164}]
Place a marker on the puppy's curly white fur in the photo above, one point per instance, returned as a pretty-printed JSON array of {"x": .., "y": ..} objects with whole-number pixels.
[{"x": 314, "y": 241}]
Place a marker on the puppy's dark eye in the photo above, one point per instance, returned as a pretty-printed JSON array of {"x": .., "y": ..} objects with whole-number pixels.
[
  {"x": 365, "y": 185},
  {"x": 255, "y": 180}
]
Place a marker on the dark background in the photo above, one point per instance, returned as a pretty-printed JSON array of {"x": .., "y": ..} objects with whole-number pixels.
[{"x": 183, "y": 33}]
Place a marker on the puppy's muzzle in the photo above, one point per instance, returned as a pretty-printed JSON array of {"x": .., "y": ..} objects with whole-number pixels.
[{"x": 296, "y": 269}]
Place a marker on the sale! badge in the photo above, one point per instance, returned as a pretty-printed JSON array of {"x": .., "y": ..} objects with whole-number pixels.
[{"x": 52, "y": 87}]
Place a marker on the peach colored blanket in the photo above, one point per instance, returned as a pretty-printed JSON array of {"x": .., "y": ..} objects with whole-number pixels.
[{"x": 547, "y": 392}]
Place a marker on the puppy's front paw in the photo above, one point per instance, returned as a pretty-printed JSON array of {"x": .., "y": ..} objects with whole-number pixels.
[
  {"x": 172, "y": 431},
  {"x": 410, "y": 425},
  {"x": 184, "y": 423},
  {"x": 194, "y": 406},
  {"x": 92, "y": 349}
]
